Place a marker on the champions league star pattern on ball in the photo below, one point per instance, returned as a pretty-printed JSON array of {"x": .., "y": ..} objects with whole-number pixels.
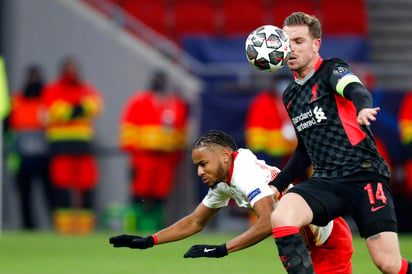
[{"x": 268, "y": 48}]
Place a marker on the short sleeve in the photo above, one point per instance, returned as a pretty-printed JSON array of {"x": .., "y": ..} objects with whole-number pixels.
[
  {"x": 259, "y": 193},
  {"x": 252, "y": 177},
  {"x": 215, "y": 199}
]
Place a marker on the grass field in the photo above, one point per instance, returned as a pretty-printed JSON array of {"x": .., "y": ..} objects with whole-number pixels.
[{"x": 45, "y": 253}]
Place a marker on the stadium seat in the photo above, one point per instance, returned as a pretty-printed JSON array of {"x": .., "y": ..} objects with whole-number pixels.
[
  {"x": 282, "y": 9},
  {"x": 153, "y": 13},
  {"x": 194, "y": 17},
  {"x": 348, "y": 17},
  {"x": 216, "y": 49},
  {"x": 241, "y": 17},
  {"x": 351, "y": 48},
  {"x": 117, "y": 2}
]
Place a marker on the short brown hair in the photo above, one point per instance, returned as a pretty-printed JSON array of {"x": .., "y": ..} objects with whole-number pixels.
[{"x": 301, "y": 18}]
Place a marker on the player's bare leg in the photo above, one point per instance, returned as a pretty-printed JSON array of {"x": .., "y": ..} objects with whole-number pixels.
[
  {"x": 384, "y": 250},
  {"x": 291, "y": 213}
]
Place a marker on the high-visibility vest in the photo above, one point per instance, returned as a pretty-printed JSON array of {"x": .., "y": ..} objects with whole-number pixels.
[
  {"x": 405, "y": 119},
  {"x": 61, "y": 99},
  {"x": 405, "y": 128},
  {"x": 27, "y": 113},
  {"x": 268, "y": 128},
  {"x": 27, "y": 121},
  {"x": 153, "y": 122}
]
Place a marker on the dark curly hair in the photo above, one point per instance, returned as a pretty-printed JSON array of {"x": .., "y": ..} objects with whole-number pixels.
[{"x": 215, "y": 137}]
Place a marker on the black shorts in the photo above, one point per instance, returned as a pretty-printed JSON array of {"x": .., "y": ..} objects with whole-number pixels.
[{"x": 370, "y": 203}]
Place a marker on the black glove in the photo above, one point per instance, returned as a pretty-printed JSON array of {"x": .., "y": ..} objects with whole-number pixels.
[
  {"x": 215, "y": 251},
  {"x": 132, "y": 241}
]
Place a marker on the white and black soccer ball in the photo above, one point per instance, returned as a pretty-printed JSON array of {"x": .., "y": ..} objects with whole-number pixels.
[{"x": 268, "y": 48}]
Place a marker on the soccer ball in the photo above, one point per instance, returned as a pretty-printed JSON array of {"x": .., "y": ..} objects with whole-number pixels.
[{"x": 268, "y": 48}]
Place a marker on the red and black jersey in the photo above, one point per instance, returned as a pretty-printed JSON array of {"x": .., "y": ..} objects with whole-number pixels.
[{"x": 326, "y": 122}]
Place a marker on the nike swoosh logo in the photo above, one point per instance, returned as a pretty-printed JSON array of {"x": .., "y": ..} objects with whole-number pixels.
[
  {"x": 373, "y": 209},
  {"x": 206, "y": 250}
]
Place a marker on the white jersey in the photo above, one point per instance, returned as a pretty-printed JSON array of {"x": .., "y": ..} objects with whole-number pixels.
[{"x": 248, "y": 182}]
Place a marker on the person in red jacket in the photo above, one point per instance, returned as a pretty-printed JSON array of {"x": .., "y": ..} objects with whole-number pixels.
[
  {"x": 30, "y": 150},
  {"x": 269, "y": 133},
  {"x": 405, "y": 127},
  {"x": 153, "y": 132},
  {"x": 72, "y": 106}
]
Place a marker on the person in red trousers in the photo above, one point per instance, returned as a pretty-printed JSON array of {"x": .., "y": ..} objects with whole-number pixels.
[
  {"x": 153, "y": 132},
  {"x": 72, "y": 106}
]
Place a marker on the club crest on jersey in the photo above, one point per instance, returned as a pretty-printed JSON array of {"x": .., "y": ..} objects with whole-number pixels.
[
  {"x": 308, "y": 119},
  {"x": 314, "y": 92}
]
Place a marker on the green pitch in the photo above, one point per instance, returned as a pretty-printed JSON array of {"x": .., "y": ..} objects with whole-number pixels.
[{"x": 45, "y": 253}]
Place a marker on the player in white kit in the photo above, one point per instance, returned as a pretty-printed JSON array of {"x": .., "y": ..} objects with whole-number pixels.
[{"x": 230, "y": 173}]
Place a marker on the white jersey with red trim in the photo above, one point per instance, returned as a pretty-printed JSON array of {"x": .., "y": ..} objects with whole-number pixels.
[{"x": 247, "y": 183}]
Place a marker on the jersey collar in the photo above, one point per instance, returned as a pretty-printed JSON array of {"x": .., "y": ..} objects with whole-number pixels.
[
  {"x": 229, "y": 178},
  {"x": 317, "y": 65}
]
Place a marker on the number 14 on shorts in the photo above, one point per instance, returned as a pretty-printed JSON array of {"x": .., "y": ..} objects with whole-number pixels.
[{"x": 378, "y": 195}]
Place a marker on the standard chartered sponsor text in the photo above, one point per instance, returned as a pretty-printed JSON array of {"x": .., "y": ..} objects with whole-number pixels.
[{"x": 298, "y": 121}]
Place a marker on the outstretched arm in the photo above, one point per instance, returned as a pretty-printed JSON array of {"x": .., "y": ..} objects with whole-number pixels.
[
  {"x": 362, "y": 99},
  {"x": 183, "y": 228},
  {"x": 187, "y": 226},
  {"x": 256, "y": 233}
]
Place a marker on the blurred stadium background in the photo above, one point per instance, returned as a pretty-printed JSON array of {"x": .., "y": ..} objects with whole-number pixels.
[{"x": 201, "y": 45}]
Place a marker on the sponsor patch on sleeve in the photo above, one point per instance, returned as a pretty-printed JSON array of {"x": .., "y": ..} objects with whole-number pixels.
[{"x": 253, "y": 194}]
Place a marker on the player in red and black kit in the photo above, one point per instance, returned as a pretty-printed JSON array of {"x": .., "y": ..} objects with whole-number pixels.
[{"x": 331, "y": 111}]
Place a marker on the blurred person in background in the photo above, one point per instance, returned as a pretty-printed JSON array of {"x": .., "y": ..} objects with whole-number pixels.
[
  {"x": 269, "y": 132},
  {"x": 72, "y": 106},
  {"x": 153, "y": 132},
  {"x": 405, "y": 127},
  {"x": 232, "y": 173},
  {"x": 405, "y": 132},
  {"x": 29, "y": 157}
]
